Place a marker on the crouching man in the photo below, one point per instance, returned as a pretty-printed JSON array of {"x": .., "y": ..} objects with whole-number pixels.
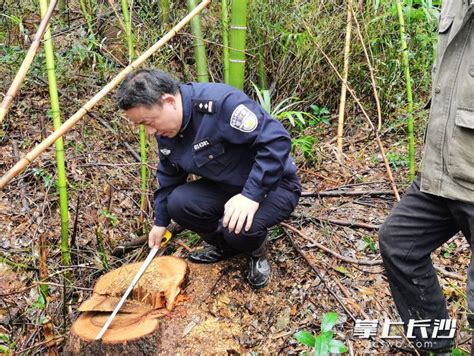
[{"x": 248, "y": 180}]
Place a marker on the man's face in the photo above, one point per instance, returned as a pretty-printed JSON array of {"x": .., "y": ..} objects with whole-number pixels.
[{"x": 164, "y": 120}]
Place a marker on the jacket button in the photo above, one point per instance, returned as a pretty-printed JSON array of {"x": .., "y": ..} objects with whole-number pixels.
[
  {"x": 210, "y": 157},
  {"x": 438, "y": 90},
  {"x": 181, "y": 135}
]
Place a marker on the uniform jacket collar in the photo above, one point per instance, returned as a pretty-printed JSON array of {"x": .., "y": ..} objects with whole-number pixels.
[{"x": 186, "y": 93}]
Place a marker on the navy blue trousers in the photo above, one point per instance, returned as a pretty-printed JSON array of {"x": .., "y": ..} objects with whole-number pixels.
[{"x": 199, "y": 206}]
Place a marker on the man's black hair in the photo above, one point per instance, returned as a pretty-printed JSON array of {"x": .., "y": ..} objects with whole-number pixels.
[{"x": 145, "y": 87}]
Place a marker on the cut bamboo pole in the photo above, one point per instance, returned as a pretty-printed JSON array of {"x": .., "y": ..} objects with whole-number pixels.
[
  {"x": 68, "y": 124},
  {"x": 406, "y": 67},
  {"x": 61, "y": 167},
  {"x": 199, "y": 48},
  {"x": 20, "y": 76},
  {"x": 345, "y": 75},
  {"x": 238, "y": 30}
]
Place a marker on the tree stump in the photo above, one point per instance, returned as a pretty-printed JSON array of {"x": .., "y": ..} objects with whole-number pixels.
[
  {"x": 189, "y": 328},
  {"x": 136, "y": 328}
]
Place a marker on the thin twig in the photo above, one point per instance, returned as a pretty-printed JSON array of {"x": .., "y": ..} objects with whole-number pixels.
[
  {"x": 341, "y": 193},
  {"x": 325, "y": 249},
  {"x": 339, "y": 222},
  {"x": 314, "y": 243},
  {"x": 323, "y": 281}
]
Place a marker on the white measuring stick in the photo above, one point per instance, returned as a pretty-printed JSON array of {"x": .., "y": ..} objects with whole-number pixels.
[{"x": 142, "y": 269}]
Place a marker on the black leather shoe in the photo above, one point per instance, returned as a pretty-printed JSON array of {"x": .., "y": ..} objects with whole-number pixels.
[
  {"x": 260, "y": 272},
  {"x": 210, "y": 254}
]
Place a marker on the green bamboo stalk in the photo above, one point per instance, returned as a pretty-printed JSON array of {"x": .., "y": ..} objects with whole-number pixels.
[
  {"x": 225, "y": 39},
  {"x": 128, "y": 31},
  {"x": 238, "y": 29},
  {"x": 56, "y": 113},
  {"x": 131, "y": 51},
  {"x": 199, "y": 48},
  {"x": 87, "y": 16},
  {"x": 62, "y": 12},
  {"x": 406, "y": 65},
  {"x": 165, "y": 12}
]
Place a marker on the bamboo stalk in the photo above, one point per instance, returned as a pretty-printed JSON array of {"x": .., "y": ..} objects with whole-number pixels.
[
  {"x": 367, "y": 117},
  {"x": 56, "y": 113},
  {"x": 225, "y": 39},
  {"x": 199, "y": 48},
  {"x": 21, "y": 74},
  {"x": 68, "y": 124},
  {"x": 128, "y": 31},
  {"x": 406, "y": 65},
  {"x": 345, "y": 75},
  {"x": 165, "y": 12},
  {"x": 238, "y": 29},
  {"x": 88, "y": 18},
  {"x": 142, "y": 134}
]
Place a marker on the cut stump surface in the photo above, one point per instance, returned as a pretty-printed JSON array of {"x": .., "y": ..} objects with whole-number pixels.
[{"x": 145, "y": 325}]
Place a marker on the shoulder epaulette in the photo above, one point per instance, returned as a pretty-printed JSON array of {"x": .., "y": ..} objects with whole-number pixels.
[{"x": 205, "y": 106}]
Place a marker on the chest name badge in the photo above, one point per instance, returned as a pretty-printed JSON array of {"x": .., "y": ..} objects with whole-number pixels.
[
  {"x": 205, "y": 106},
  {"x": 201, "y": 144},
  {"x": 243, "y": 119},
  {"x": 165, "y": 151}
]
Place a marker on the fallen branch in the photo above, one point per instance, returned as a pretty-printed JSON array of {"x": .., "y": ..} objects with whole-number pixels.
[
  {"x": 340, "y": 222},
  {"x": 325, "y": 249},
  {"x": 341, "y": 193},
  {"x": 315, "y": 270},
  {"x": 441, "y": 270}
]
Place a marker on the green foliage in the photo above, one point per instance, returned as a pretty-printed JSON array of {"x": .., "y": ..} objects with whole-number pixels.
[
  {"x": 40, "y": 303},
  {"x": 370, "y": 243},
  {"x": 6, "y": 344},
  {"x": 305, "y": 145},
  {"x": 46, "y": 176},
  {"x": 397, "y": 160},
  {"x": 111, "y": 217},
  {"x": 459, "y": 352},
  {"x": 448, "y": 249},
  {"x": 322, "y": 344},
  {"x": 321, "y": 115},
  {"x": 190, "y": 238},
  {"x": 281, "y": 111}
]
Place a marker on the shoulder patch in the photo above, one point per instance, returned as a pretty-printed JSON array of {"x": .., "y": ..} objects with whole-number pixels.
[
  {"x": 243, "y": 119},
  {"x": 205, "y": 106}
]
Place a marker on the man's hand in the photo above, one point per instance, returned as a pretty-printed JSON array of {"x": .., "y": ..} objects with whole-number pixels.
[
  {"x": 237, "y": 211},
  {"x": 156, "y": 235}
]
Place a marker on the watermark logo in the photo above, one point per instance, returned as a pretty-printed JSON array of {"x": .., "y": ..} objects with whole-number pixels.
[{"x": 441, "y": 328}]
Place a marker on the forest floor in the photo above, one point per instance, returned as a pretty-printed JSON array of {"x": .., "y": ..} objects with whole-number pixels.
[{"x": 104, "y": 192}]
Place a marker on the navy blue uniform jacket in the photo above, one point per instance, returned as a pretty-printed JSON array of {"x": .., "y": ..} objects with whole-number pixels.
[{"x": 225, "y": 137}]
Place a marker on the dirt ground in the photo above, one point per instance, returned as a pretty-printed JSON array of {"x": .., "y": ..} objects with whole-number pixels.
[{"x": 103, "y": 176}]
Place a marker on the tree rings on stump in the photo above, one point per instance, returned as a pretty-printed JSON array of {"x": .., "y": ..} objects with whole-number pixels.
[{"x": 136, "y": 328}]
